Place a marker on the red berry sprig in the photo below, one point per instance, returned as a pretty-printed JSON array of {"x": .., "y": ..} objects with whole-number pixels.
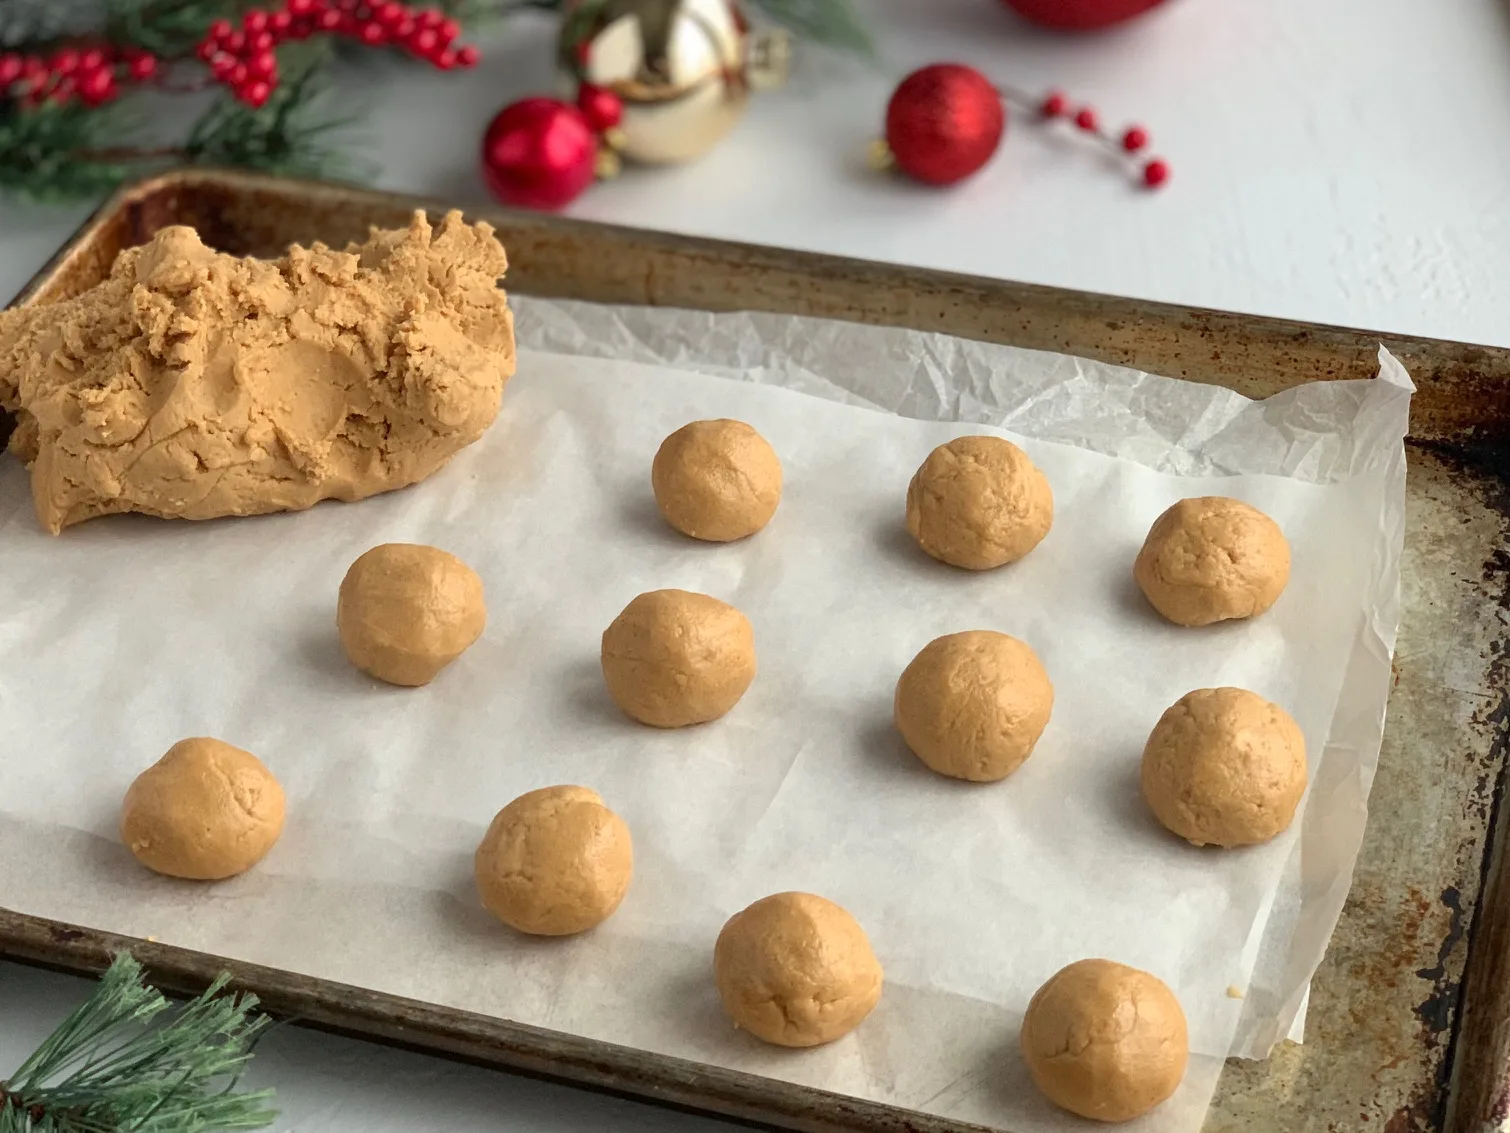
[
  {"x": 1132, "y": 141},
  {"x": 92, "y": 74}
]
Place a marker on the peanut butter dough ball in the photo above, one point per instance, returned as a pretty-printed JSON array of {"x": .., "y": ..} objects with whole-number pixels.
[
  {"x": 972, "y": 705},
  {"x": 674, "y": 658},
  {"x": 978, "y": 503},
  {"x": 554, "y": 862},
  {"x": 1105, "y": 1041},
  {"x": 716, "y": 480},
  {"x": 204, "y": 811},
  {"x": 406, "y": 611},
  {"x": 796, "y": 970},
  {"x": 1224, "y": 767},
  {"x": 1212, "y": 558}
]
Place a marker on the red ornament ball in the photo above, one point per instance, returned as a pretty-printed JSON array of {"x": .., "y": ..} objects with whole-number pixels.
[
  {"x": 539, "y": 153},
  {"x": 1080, "y": 15},
  {"x": 944, "y": 122}
]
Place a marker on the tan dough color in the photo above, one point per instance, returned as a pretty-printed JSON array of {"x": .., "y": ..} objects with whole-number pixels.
[
  {"x": 716, "y": 480},
  {"x": 972, "y": 705},
  {"x": 1211, "y": 558},
  {"x": 1105, "y": 1041},
  {"x": 796, "y": 970},
  {"x": 1224, "y": 767},
  {"x": 554, "y": 862},
  {"x": 192, "y": 384},
  {"x": 205, "y": 811},
  {"x": 674, "y": 658},
  {"x": 406, "y": 611},
  {"x": 978, "y": 503}
]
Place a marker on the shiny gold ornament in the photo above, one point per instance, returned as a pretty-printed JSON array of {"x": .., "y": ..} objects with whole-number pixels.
[{"x": 683, "y": 69}]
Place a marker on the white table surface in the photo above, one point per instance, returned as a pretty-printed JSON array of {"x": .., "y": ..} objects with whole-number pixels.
[{"x": 1342, "y": 162}]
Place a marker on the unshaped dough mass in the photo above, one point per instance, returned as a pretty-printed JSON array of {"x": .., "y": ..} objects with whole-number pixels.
[
  {"x": 972, "y": 705},
  {"x": 1225, "y": 767},
  {"x": 979, "y": 502},
  {"x": 192, "y": 384},
  {"x": 796, "y": 970},
  {"x": 406, "y": 611},
  {"x": 674, "y": 657},
  {"x": 1212, "y": 558},
  {"x": 204, "y": 811},
  {"x": 554, "y": 862},
  {"x": 1105, "y": 1041},
  {"x": 716, "y": 480}
]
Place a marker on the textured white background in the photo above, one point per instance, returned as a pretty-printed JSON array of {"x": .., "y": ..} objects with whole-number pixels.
[{"x": 1340, "y": 162}]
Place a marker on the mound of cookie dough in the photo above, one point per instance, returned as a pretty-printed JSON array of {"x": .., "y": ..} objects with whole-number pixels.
[
  {"x": 204, "y": 811},
  {"x": 1212, "y": 558},
  {"x": 1105, "y": 1041},
  {"x": 716, "y": 480},
  {"x": 192, "y": 384},
  {"x": 796, "y": 970},
  {"x": 554, "y": 862},
  {"x": 979, "y": 502},
  {"x": 1224, "y": 767}
]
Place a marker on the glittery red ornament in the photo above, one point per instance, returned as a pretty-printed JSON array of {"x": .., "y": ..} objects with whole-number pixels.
[
  {"x": 1080, "y": 15},
  {"x": 539, "y": 153},
  {"x": 944, "y": 122}
]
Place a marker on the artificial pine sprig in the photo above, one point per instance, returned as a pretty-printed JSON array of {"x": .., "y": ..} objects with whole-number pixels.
[{"x": 119, "y": 1064}]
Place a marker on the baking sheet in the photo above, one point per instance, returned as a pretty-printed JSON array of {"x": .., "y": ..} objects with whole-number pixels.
[{"x": 128, "y": 634}]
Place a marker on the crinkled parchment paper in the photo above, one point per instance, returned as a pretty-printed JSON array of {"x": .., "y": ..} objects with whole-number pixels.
[{"x": 126, "y": 634}]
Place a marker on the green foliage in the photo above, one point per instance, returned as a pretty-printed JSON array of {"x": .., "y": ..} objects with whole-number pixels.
[
  {"x": 54, "y": 153},
  {"x": 832, "y": 23},
  {"x": 126, "y": 1062},
  {"x": 167, "y": 28}
]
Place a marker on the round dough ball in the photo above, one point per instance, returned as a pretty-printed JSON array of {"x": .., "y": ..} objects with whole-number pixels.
[
  {"x": 978, "y": 503},
  {"x": 796, "y": 970},
  {"x": 1224, "y": 767},
  {"x": 716, "y": 480},
  {"x": 972, "y": 705},
  {"x": 406, "y": 611},
  {"x": 674, "y": 658},
  {"x": 205, "y": 811},
  {"x": 554, "y": 862},
  {"x": 1105, "y": 1041},
  {"x": 1212, "y": 558}
]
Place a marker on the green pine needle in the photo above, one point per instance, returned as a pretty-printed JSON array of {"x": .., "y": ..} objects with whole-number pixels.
[
  {"x": 167, "y": 28},
  {"x": 119, "y": 1065},
  {"x": 832, "y": 23},
  {"x": 52, "y": 153}
]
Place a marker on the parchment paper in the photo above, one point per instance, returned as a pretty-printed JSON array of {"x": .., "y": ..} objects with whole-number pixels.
[{"x": 124, "y": 635}]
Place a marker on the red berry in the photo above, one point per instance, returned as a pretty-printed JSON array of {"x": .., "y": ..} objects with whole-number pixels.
[
  {"x": 65, "y": 62},
  {"x": 445, "y": 59},
  {"x": 429, "y": 18},
  {"x": 96, "y": 86},
  {"x": 262, "y": 65},
  {"x": 237, "y": 77},
  {"x": 1155, "y": 173},
  {"x": 467, "y": 56},
  {"x": 33, "y": 67},
  {"x": 10, "y": 69},
  {"x": 262, "y": 41},
  {"x": 300, "y": 7},
  {"x": 348, "y": 5},
  {"x": 1053, "y": 105},
  {"x": 254, "y": 21},
  {"x": 1135, "y": 139},
  {"x": 372, "y": 33},
  {"x": 424, "y": 42},
  {"x": 142, "y": 67},
  {"x": 235, "y": 43},
  {"x": 220, "y": 30},
  {"x": 222, "y": 65},
  {"x": 329, "y": 20},
  {"x": 1086, "y": 119},
  {"x": 254, "y": 93},
  {"x": 600, "y": 106},
  {"x": 389, "y": 13},
  {"x": 448, "y": 30},
  {"x": 92, "y": 59},
  {"x": 207, "y": 48},
  {"x": 403, "y": 29},
  {"x": 280, "y": 23}
]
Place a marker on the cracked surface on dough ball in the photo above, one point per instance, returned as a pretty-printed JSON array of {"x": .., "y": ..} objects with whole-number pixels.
[
  {"x": 675, "y": 657},
  {"x": 1105, "y": 1041},
  {"x": 972, "y": 705},
  {"x": 979, "y": 502},
  {"x": 204, "y": 811},
  {"x": 193, "y": 384},
  {"x": 796, "y": 970},
  {"x": 716, "y": 480},
  {"x": 1210, "y": 559},
  {"x": 554, "y": 862},
  {"x": 1224, "y": 767}
]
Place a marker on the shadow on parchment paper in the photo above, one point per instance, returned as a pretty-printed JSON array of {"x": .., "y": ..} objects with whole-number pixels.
[
  {"x": 639, "y": 515},
  {"x": 899, "y": 548},
  {"x": 888, "y": 752},
  {"x": 587, "y": 698}
]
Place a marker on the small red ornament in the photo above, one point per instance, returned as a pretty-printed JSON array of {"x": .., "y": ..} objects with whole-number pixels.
[
  {"x": 944, "y": 122},
  {"x": 1080, "y": 15},
  {"x": 539, "y": 153},
  {"x": 603, "y": 108}
]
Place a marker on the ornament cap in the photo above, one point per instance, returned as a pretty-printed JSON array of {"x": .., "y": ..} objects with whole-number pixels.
[{"x": 879, "y": 156}]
